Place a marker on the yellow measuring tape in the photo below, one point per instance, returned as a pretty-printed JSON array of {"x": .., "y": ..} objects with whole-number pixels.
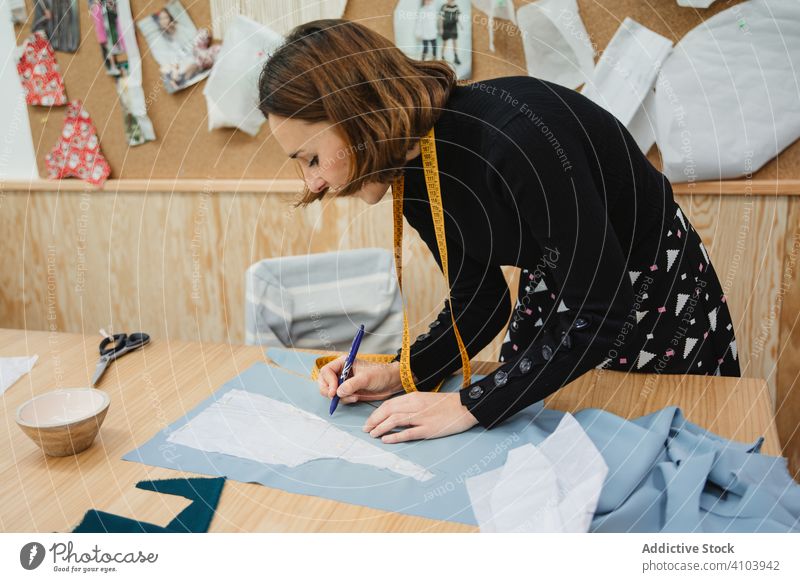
[{"x": 431, "y": 170}]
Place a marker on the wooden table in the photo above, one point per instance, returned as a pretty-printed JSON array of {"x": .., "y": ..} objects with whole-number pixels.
[{"x": 152, "y": 387}]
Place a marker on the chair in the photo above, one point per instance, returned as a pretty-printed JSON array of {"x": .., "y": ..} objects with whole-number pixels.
[{"x": 318, "y": 301}]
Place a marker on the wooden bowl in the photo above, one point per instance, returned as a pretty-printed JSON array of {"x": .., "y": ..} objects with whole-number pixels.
[{"x": 64, "y": 422}]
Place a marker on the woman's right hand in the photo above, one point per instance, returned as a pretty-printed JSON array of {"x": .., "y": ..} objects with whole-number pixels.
[{"x": 368, "y": 380}]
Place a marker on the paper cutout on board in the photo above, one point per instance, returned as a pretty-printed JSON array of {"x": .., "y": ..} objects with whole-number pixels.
[
  {"x": 726, "y": 102},
  {"x": 39, "y": 74},
  {"x": 696, "y": 3},
  {"x": 262, "y": 429},
  {"x": 503, "y": 9},
  {"x": 77, "y": 152},
  {"x": 557, "y": 46},
  {"x": 627, "y": 70},
  {"x": 231, "y": 91}
]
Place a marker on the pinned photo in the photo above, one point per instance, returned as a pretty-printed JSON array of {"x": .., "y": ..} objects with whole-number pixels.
[
  {"x": 436, "y": 30},
  {"x": 58, "y": 20},
  {"x": 184, "y": 53},
  {"x": 114, "y": 31}
]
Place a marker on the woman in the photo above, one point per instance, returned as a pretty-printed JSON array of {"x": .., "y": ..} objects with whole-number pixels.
[{"x": 533, "y": 175}]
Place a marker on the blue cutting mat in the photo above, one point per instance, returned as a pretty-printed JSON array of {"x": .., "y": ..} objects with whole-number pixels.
[{"x": 451, "y": 459}]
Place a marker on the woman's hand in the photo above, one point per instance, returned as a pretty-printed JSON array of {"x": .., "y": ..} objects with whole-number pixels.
[
  {"x": 368, "y": 381},
  {"x": 429, "y": 415}
]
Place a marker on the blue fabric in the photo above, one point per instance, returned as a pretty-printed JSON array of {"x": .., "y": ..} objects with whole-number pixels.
[
  {"x": 300, "y": 362},
  {"x": 665, "y": 473},
  {"x": 196, "y": 518}
]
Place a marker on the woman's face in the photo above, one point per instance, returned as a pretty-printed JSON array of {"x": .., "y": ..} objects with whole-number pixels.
[
  {"x": 323, "y": 155},
  {"x": 165, "y": 22}
]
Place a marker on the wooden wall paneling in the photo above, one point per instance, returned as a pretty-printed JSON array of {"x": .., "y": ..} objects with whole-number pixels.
[
  {"x": 174, "y": 263},
  {"x": 787, "y": 404}
]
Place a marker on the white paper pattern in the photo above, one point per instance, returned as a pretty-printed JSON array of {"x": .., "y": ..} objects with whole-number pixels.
[
  {"x": 495, "y": 9},
  {"x": 550, "y": 488},
  {"x": 232, "y": 88},
  {"x": 627, "y": 70},
  {"x": 557, "y": 46},
  {"x": 256, "y": 427},
  {"x": 726, "y": 98}
]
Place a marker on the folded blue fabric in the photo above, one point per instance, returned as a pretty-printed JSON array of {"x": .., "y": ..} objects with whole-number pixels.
[{"x": 665, "y": 473}]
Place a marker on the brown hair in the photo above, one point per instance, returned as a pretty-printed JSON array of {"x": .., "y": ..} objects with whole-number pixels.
[{"x": 379, "y": 99}]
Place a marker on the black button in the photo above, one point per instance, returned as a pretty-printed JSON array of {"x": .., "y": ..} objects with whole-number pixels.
[
  {"x": 423, "y": 336},
  {"x": 434, "y": 323},
  {"x": 525, "y": 365},
  {"x": 500, "y": 378},
  {"x": 475, "y": 392},
  {"x": 581, "y": 322},
  {"x": 547, "y": 352}
]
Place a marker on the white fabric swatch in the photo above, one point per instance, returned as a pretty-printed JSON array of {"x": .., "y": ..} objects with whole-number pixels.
[
  {"x": 643, "y": 124},
  {"x": 12, "y": 369},
  {"x": 557, "y": 46},
  {"x": 627, "y": 70},
  {"x": 256, "y": 427},
  {"x": 231, "y": 91},
  {"x": 550, "y": 488}
]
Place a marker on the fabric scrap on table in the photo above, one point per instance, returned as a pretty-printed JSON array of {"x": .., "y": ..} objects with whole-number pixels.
[
  {"x": 196, "y": 518},
  {"x": 552, "y": 487},
  {"x": 12, "y": 369}
]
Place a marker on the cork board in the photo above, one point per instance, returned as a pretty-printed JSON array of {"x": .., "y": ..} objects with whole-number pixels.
[{"x": 186, "y": 149}]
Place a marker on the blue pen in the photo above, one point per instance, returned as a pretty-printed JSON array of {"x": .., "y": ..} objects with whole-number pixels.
[{"x": 348, "y": 363}]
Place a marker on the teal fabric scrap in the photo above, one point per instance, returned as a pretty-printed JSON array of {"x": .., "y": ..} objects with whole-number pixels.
[{"x": 196, "y": 518}]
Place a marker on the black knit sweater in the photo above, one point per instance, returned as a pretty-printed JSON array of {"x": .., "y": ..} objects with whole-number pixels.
[{"x": 533, "y": 175}]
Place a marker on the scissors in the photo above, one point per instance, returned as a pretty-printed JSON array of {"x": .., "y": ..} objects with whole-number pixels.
[{"x": 114, "y": 346}]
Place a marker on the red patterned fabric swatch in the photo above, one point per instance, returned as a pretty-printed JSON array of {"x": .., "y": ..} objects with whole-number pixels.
[
  {"x": 39, "y": 74},
  {"x": 77, "y": 153}
]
